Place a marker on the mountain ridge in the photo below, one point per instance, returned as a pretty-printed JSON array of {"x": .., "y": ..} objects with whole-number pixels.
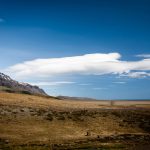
[{"x": 8, "y": 82}]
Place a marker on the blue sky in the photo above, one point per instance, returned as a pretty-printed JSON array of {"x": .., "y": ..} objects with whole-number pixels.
[{"x": 120, "y": 29}]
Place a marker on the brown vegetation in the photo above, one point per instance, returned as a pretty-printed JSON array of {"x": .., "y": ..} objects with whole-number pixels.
[{"x": 34, "y": 122}]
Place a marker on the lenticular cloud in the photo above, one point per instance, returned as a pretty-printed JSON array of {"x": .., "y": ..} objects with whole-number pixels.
[{"x": 89, "y": 64}]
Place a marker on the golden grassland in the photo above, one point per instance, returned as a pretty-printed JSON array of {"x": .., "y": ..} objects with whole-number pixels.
[
  {"x": 60, "y": 124},
  {"x": 46, "y": 102}
]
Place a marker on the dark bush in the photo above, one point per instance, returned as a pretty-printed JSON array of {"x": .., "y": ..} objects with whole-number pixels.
[
  {"x": 49, "y": 117},
  {"x": 9, "y": 91},
  {"x": 60, "y": 117},
  {"x": 26, "y": 92}
]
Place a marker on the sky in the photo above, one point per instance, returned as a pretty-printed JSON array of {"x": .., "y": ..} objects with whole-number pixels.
[{"x": 86, "y": 48}]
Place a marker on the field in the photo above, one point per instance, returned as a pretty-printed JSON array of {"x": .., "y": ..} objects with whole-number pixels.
[{"x": 44, "y": 123}]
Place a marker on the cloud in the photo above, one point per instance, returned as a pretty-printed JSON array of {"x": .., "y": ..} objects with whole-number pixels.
[
  {"x": 143, "y": 55},
  {"x": 98, "y": 88},
  {"x": 57, "y": 83},
  {"x": 85, "y": 84},
  {"x": 121, "y": 82},
  {"x": 1, "y": 20},
  {"x": 137, "y": 74},
  {"x": 89, "y": 64}
]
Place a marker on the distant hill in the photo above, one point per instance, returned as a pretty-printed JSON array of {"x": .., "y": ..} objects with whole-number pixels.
[
  {"x": 75, "y": 98},
  {"x": 10, "y": 85}
]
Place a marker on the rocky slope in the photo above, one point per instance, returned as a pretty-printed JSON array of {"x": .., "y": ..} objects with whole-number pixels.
[{"x": 6, "y": 81}]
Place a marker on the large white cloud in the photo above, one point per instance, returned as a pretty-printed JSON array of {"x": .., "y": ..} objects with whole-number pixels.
[{"x": 92, "y": 64}]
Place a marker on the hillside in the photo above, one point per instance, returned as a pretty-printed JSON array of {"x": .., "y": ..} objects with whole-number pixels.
[
  {"x": 10, "y": 85},
  {"x": 35, "y": 122}
]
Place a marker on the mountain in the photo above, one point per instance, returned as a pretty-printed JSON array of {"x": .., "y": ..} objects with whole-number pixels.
[{"x": 12, "y": 85}]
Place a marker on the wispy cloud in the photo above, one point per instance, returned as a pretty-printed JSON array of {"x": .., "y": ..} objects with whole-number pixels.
[
  {"x": 89, "y": 64},
  {"x": 99, "y": 88},
  {"x": 137, "y": 74},
  {"x": 84, "y": 84},
  {"x": 57, "y": 83},
  {"x": 143, "y": 55},
  {"x": 121, "y": 82}
]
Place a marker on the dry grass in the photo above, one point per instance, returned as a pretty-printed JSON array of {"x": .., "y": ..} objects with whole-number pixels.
[
  {"x": 23, "y": 119},
  {"x": 43, "y": 102},
  {"x": 32, "y": 129}
]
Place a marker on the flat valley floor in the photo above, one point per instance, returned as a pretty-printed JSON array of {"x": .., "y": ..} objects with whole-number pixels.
[{"x": 30, "y": 122}]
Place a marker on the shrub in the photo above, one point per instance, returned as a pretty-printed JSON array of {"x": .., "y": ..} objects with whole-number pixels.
[{"x": 26, "y": 92}]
